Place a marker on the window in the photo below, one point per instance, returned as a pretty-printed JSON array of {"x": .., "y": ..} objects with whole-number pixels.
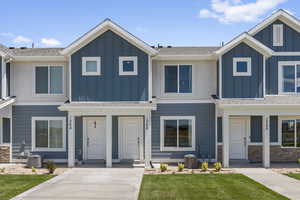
[
  {"x": 241, "y": 66},
  {"x": 290, "y": 133},
  {"x": 91, "y": 66},
  {"x": 290, "y": 77},
  {"x": 49, "y": 79},
  {"x": 277, "y": 35},
  {"x": 48, "y": 133},
  {"x": 178, "y": 79},
  {"x": 177, "y": 133},
  {"x": 128, "y": 65}
]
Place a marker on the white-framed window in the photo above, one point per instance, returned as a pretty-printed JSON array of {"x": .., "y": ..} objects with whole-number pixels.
[
  {"x": 48, "y": 133},
  {"x": 49, "y": 80},
  {"x": 278, "y": 35},
  {"x": 242, "y": 66},
  {"x": 289, "y": 77},
  {"x": 91, "y": 66},
  {"x": 128, "y": 65},
  {"x": 290, "y": 132},
  {"x": 177, "y": 133},
  {"x": 178, "y": 79}
]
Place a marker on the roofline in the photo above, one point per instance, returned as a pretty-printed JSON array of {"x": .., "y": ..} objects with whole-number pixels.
[
  {"x": 100, "y": 29},
  {"x": 186, "y": 57},
  {"x": 287, "y": 17},
  {"x": 249, "y": 40}
]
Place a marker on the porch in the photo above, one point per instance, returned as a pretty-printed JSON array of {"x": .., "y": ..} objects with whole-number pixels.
[{"x": 109, "y": 132}]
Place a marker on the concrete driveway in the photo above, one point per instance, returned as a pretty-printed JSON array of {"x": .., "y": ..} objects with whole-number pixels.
[{"x": 89, "y": 183}]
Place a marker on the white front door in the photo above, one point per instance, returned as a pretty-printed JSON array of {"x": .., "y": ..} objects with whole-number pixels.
[
  {"x": 131, "y": 138},
  {"x": 95, "y": 138},
  {"x": 238, "y": 139}
]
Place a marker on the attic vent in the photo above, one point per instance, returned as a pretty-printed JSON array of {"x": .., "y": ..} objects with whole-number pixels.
[{"x": 23, "y": 47}]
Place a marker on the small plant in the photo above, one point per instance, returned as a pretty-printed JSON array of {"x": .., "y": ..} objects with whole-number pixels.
[
  {"x": 163, "y": 167},
  {"x": 2, "y": 170},
  {"x": 298, "y": 160},
  {"x": 51, "y": 166},
  {"x": 204, "y": 166},
  {"x": 33, "y": 169},
  {"x": 218, "y": 166},
  {"x": 180, "y": 167}
]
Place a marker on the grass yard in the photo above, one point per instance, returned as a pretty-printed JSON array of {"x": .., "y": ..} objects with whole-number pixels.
[
  {"x": 12, "y": 185},
  {"x": 204, "y": 186},
  {"x": 294, "y": 175}
]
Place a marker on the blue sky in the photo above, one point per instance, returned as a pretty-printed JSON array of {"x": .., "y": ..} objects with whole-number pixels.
[{"x": 168, "y": 22}]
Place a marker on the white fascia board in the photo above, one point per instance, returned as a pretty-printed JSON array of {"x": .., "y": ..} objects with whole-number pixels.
[
  {"x": 100, "y": 29},
  {"x": 186, "y": 57},
  {"x": 249, "y": 41},
  {"x": 281, "y": 15},
  {"x": 3, "y": 105},
  {"x": 39, "y": 58}
]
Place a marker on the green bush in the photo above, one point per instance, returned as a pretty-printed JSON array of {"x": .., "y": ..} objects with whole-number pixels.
[
  {"x": 33, "y": 169},
  {"x": 2, "y": 170},
  {"x": 180, "y": 167},
  {"x": 204, "y": 166},
  {"x": 163, "y": 167},
  {"x": 299, "y": 160},
  {"x": 218, "y": 166},
  {"x": 51, "y": 166}
]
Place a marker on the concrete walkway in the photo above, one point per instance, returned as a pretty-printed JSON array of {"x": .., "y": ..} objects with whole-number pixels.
[
  {"x": 89, "y": 183},
  {"x": 279, "y": 183}
]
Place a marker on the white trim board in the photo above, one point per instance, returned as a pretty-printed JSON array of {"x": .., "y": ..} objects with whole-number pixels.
[{"x": 134, "y": 59}]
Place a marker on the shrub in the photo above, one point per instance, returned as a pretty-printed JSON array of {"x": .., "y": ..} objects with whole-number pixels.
[
  {"x": 51, "y": 166},
  {"x": 218, "y": 166},
  {"x": 298, "y": 160},
  {"x": 163, "y": 167},
  {"x": 2, "y": 170},
  {"x": 180, "y": 167},
  {"x": 204, "y": 166},
  {"x": 33, "y": 169}
]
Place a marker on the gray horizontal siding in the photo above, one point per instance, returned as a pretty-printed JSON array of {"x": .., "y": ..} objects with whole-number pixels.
[
  {"x": 220, "y": 129},
  {"x": 6, "y": 130},
  {"x": 78, "y": 138},
  {"x": 291, "y": 38},
  {"x": 242, "y": 86},
  {"x": 109, "y": 86},
  {"x": 22, "y": 127},
  {"x": 256, "y": 129},
  {"x": 272, "y": 72},
  {"x": 205, "y": 129}
]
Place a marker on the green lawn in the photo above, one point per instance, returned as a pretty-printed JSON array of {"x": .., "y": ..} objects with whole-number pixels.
[
  {"x": 294, "y": 175},
  {"x": 12, "y": 185},
  {"x": 204, "y": 186}
]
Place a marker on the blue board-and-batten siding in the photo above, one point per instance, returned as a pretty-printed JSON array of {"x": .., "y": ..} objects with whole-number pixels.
[
  {"x": 242, "y": 86},
  {"x": 272, "y": 66},
  {"x": 205, "y": 129},
  {"x": 291, "y": 38},
  {"x": 22, "y": 116},
  {"x": 109, "y": 86},
  {"x": 256, "y": 129}
]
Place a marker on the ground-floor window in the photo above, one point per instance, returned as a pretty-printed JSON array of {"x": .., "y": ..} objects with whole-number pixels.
[
  {"x": 177, "y": 133},
  {"x": 290, "y": 130},
  {"x": 49, "y": 133}
]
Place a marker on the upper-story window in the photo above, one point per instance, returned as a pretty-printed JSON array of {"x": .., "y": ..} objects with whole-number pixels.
[
  {"x": 128, "y": 65},
  {"x": 278, "y": 35},
  {"x": 91, "y": 66},
  {"x": 178, "y": 78},
  {"x": 290, "y": 77},
  {"x": 49, "y": 79},
  {"x": 241, "y": 66}
]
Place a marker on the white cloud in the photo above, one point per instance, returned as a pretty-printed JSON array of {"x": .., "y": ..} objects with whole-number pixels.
[
  {"x": 141, "y": 29},
  {"x": 9, "y": 35},
  {"x": 234, "y": 11},
  {"x": 22, "y": 40},
  {"x": 50, "y": 42}
]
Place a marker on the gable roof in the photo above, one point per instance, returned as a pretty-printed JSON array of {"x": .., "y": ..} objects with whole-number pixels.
[
  {"x": 4, "y": 51},
  {"x": 282, "y": 15},
  {"x": 107, "y": 24},
  {"x": 249, "y": 40}
]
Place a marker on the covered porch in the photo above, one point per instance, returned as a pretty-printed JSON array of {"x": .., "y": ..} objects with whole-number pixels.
[
  {"x": 109, "y": 132},
  {"x": 262, "y": 130}
]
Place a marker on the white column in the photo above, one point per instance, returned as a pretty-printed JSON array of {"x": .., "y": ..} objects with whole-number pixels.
[
  {"x": 225, "y": 131},
  {"x": 71, "y": 140},
  {"x": 147, "y": 139},
  {"x": 266, "y": 140},
  {"x": 1, "y": 130},
  {"x": 4, "y": 82},
  {"x": 108, "y": 141}
]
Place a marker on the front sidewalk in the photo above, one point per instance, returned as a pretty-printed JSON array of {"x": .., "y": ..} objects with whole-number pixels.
[{"x": 277, "y": 182}]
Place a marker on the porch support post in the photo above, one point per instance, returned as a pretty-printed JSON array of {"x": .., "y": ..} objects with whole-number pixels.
[
  {"x": 225, "y": 131},
  {"x": 266, "y": 141},
  {"x": 108, "y": 141},
  {"x": 147, "y": 139},
  {"x": 71, "y": 140}
]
